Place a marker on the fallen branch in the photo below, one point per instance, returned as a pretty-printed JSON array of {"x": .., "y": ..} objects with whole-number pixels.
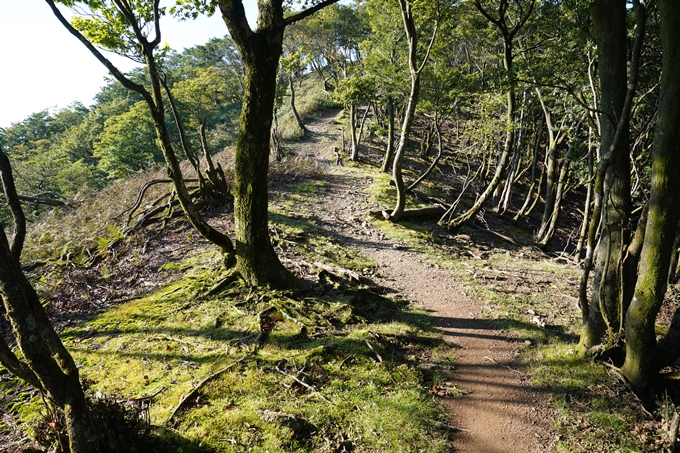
[
  {"x": 411, "y": 213},
  {"x": 148, "y": 217},
  {"x": 147, "y": 397},
  {"x": 495, "y": 233},
  {"x": 40, "y": 200}
]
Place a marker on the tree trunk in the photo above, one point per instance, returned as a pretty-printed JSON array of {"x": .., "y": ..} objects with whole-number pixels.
[
  {"x": 256, "y": 260},
  {"x": 534, "y": 162},
  {"x": 612, "y": 185},
  {"x": 46, "y": 363},
  {"x": 507, "y": 189},
  {"x": 550, "y": 171},
  {"x": 559, "y": 193},
  {"x": 589, "y": 197},
  {"x": 640, "y": 366},
  {"x": 354, "y": 151},
  {"x": 154, "y": 100},
  {"x": 390, "y": 136},
  {"x": 292, "y": 105},
  {"x": 414, "y": 71}
]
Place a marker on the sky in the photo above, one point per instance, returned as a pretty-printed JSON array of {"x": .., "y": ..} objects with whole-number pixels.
[{"x": 42, "y": 66}]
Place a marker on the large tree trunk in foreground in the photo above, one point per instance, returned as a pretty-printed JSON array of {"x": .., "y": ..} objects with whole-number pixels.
[
  {"x": 603, "y": 314},
  {"x": 260, "y": 51},
  {"x": 640, "y": 367},
  {"x": 46, "y": 364}
]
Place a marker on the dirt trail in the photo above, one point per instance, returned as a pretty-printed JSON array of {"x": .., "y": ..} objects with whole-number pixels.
[{"x": 500, "y": 412}]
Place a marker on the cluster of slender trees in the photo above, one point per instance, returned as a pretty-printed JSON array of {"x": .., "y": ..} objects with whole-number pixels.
[{"x": 534, "y": 97}]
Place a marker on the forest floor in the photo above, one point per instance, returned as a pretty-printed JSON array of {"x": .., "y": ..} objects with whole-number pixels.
[{"x": 499, "y": 411}]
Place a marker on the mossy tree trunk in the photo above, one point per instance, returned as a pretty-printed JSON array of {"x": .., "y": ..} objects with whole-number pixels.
[
  {"x": 260, "y": 50},
  {"x": 603, "y": 314},
  {"x": 46, "y": 364},
  {"x": 641, "y": 363}
]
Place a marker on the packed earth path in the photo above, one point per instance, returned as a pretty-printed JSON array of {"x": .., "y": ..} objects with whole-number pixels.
[{"x": 499, "y": 411}]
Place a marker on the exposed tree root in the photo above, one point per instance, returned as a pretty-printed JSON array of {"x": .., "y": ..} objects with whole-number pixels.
[
  {"x": 342, "y": 273},
  {"x": 200, "y": 385}
]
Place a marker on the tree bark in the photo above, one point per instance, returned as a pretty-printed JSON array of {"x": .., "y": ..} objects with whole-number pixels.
[
  {"x": 46, "y": 363},
  {"x": 260, "y": 51},
  {"x": 612, "y": 184},
  {"x": 589, "y": 197},
  {"x": 390, "y": 136},
  {"x": 299, "y": 121},
  {"x": 641, "y": 362},
  {"x": 550, "y": 171},
  {"x": 409, "y": 114}
]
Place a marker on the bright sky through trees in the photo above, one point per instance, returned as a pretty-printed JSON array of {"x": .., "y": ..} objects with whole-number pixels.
[{"x": 45, "y": 67}]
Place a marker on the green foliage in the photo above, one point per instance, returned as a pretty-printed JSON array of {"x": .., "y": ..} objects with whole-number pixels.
[{"x": 128, "y": 143}]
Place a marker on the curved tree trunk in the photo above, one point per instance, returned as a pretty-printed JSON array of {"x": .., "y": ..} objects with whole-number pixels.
[
  {"x": 506, "y": 194},
  {"x": 299, "y": 121},
  {"x": 46, "y": 364},
  {"x": 559, "y": 193},
  {"x": 414, "y": 71},
  {"x": 537, "y": 142},
  {"x": 550, "y": 172},
  {"x": 640, "y": 366},
  {"x": 154, "y": 100}
]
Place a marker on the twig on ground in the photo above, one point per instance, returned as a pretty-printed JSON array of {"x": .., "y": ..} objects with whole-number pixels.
[
  {"x": 504, "y": 366},
  {"x": 311, "y": 388},
  {"x": 374, "y": 351},
  {"x": 148, "y": 397}
]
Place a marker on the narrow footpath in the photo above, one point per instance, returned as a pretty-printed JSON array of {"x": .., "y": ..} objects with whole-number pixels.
[{"x": 500, "y": 411}]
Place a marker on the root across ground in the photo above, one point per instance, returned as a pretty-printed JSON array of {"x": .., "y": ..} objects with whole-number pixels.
[{"x": 499, "y": 412}]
